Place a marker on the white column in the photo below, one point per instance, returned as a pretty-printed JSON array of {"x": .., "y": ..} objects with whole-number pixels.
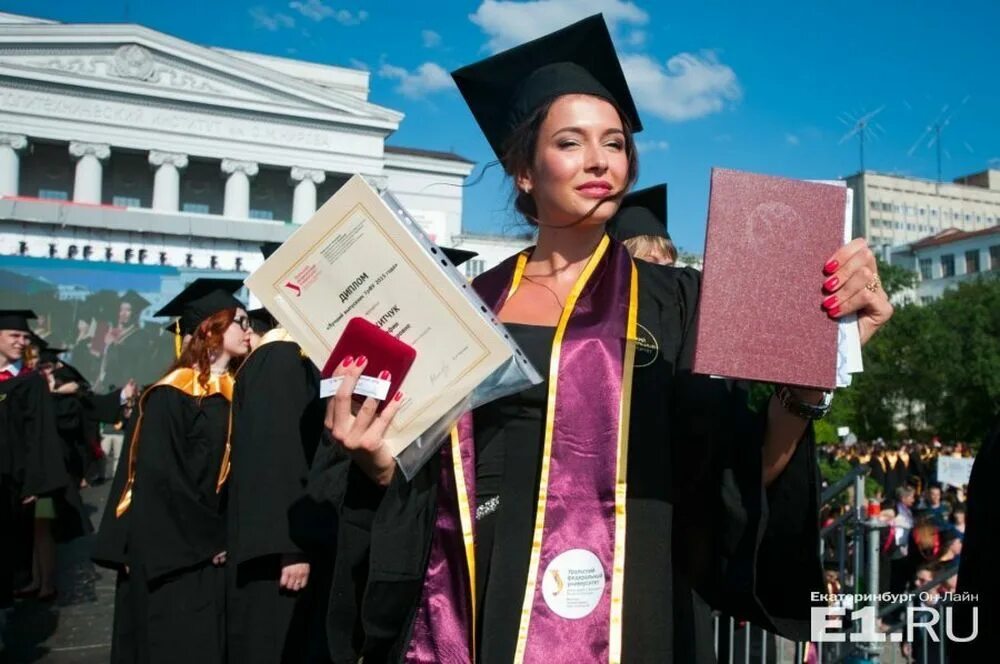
[
  {"x": 167, "y": 179},
  {"x": 237, "y": 205},
  {"x": 10, "y": 162},
  {"x": 304, "y": 199},
  {"x": 89, "y": 171}
]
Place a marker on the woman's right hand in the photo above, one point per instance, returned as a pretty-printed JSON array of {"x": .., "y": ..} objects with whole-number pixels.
[{"x": 361, "y": 434}]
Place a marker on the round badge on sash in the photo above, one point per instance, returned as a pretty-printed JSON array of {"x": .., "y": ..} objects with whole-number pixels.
[{"x": 573, "y": 584}]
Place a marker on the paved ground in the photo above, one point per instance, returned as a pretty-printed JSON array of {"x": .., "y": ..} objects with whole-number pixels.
[{"x": 76, "y": 628}]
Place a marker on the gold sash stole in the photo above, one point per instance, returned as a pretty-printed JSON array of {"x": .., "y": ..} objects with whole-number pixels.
[{"x": 185, "y": 380}]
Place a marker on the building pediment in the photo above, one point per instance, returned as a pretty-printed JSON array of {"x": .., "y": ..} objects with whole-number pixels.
[{"x": 133, "y": 61}]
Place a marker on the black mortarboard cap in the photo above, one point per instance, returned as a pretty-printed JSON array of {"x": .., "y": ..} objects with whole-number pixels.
[
  {"x": 199, "y": 300},
  {"x": 642, "y": 212},
  {"x": 69, "y": 374},
  {"x": 16, "y": 319},
  {"x": 46, "y": 353},
  {"x": 137, "y": 301},
  {"x": 504, "y": 89},
  {"x": 268, "y": 248},
  {"x": 458, "y": 256},
  {"x": 261, "y": 320}
]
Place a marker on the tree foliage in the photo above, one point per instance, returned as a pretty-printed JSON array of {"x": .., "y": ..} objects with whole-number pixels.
[{"x": 934, "y": 369}]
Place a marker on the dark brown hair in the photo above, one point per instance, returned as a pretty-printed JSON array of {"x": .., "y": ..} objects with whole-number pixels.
[
  {"x": 205, "y": 342},
  {"x": 521, "y": 146}
]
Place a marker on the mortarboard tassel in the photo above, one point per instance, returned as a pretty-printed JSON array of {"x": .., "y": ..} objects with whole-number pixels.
[{"x": 177, "y": 338}]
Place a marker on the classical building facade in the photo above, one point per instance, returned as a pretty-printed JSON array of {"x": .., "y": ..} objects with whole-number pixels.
[
  {"x": 122, "y": 144},
  {"x": 890, "y": 210}
]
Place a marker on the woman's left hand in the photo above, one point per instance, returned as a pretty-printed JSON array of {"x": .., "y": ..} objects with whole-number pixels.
[{"x": 852, "y": 285}]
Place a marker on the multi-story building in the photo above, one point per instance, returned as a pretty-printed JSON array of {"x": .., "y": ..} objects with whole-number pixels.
[
  {"x": 947, "y": 258},
  {"x": 120, "y": 144},
  {"x": 891, "y": 210}
]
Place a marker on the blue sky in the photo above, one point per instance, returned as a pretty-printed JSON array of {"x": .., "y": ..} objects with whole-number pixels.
[{"x": 761, "y": 86}]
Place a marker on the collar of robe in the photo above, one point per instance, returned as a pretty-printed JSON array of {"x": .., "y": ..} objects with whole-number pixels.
[
  {"x": 185, "y": 380},
  {"x": 589, "y": 389}
]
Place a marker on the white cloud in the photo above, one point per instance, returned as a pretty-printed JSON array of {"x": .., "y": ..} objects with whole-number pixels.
[
  {"x": 509, "y": 23},
  {"x": 425, "y": 79},
  {"x": 792, "y": 139},
  {"x": 689, "y": 86},
  {"x": 359, "y": 64},
  {"x": 431, "y": 38},
  {"x": 652, "y": 146},
  {"x": 636, "y": 38},
  {"x": 317, "y": 10},
  {"x": 270, "y": 22},
  {"x": 345, "y": 17}
]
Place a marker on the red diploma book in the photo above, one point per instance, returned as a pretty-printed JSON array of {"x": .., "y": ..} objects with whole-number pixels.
[{"x": 759, "y": 315}]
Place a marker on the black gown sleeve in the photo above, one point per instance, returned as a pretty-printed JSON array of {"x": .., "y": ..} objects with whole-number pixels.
[
  {"x": 277, "y": 424},
  {"x": 44, "y": 460},
  {"x": 383, "y": 540},
  {"x": 105, "y": 408},
  {"x": 111, "y": 543},
  {"x": 977, "y": 571},
  {"x": 750, "y": 551}
]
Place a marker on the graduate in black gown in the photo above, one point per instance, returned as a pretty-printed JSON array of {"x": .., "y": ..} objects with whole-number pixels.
[
  {"x": 664, "y": 494},
  {"x": 163, "y": 530},
  {"x": 32, "y": 464},
  {"x": 277, "y": 425},
  {"x": 977, "y": 573}
]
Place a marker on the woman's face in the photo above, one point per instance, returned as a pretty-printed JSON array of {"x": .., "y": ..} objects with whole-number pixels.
[
  {"x": 580, "y": 159},
  {"x": 236, "y": 339}
]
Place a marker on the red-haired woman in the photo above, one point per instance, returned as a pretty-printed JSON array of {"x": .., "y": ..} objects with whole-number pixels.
[{"x": 164, "y": 525}]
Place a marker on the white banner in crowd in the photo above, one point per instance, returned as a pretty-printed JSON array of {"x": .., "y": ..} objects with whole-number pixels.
[{"x": 954, "y": 471}]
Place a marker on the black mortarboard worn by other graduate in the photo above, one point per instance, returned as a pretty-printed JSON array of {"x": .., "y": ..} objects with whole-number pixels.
[
  {"x": 138, "y": 302},
  {"x": 458, "y": 256},
  {"x": 200, "y": 299},
  {"x": 642, "y": 212},
  {"x": 16, "y": 319},
  {"x": 502, "y": 91}
]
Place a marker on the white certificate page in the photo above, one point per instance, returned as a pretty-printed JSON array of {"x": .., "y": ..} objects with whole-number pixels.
[{"x": 355, "y": 258}]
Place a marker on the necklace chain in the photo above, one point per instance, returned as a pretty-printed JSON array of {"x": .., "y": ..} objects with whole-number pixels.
[{"x": 541, "y": 285}]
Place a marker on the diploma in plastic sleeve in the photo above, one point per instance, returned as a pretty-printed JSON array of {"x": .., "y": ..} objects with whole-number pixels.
[{"x": 356, "y": 257}]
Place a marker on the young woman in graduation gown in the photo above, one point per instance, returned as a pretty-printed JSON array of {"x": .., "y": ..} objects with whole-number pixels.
[
  {"x": 597, "y": 516},
  {"x": 164, "y": 526},
  {"x": 277, "y": 425},
  {"x": 31, "y": 454}
]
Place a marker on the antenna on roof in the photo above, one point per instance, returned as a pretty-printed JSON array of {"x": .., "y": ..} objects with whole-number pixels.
[
  {"x": 932, "y": 134},
  {"x": 862, "y": 127}
]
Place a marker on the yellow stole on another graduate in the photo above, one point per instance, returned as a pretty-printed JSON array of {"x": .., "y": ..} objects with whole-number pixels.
[{"x": 185, "y": 380}]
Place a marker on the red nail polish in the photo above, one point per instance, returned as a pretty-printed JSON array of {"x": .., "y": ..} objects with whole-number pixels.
[
  {"x": 384, "y": 375},
  {"x": 831, "y": 267},
  {"x": 347, "y": 361},
  {"x": 398, "y": 397},
  {"x": 834, "y": 312},
  {"x": 831, "y": 283},
  {"x": 829, "y": 302},
  {"x": 361, "y": 361}
]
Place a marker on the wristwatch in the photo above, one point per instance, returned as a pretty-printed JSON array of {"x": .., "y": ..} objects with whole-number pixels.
[{"x": 799, "y": 408}]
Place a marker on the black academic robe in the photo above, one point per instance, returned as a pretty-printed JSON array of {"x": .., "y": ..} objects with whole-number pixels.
[
  {"x": 701, "y": 529},
  {"x": 977, "y": 572},
  {"x": 71, "y": 519},
  {"x": 31, "y": 464},
  {"x": 277, "y": 424},
  {"x": 170, "y": 605}
]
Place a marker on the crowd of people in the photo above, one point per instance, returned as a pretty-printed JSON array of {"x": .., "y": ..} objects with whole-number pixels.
[{"x": 597, "y": 516}]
